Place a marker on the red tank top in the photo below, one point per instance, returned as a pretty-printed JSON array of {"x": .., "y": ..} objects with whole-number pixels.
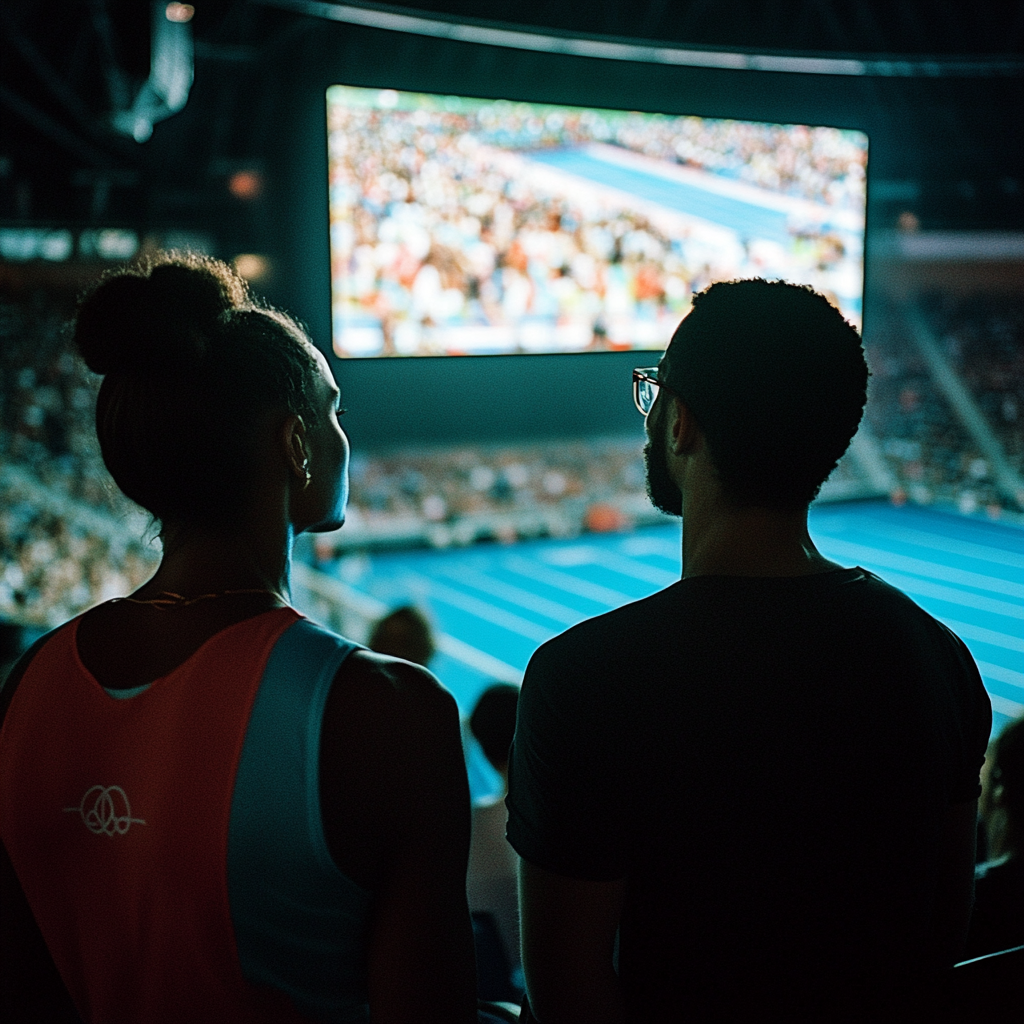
[{"x": 115, "y": 814}]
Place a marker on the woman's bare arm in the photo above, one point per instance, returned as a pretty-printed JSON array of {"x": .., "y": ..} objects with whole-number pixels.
[{"x": 397, "y": 814}]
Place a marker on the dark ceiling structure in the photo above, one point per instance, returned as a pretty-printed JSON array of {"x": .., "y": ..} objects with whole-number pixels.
[{"x": 82, "y": 142}]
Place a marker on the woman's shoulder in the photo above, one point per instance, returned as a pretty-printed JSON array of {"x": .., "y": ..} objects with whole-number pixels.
[
  {"x": 391, "y": 766},
  {"x": 393, "y": 694}
]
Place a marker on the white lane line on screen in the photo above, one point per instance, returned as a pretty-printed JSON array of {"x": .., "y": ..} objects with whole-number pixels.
[
  {"x": 482, "y": 610},
  {"x": 1001, "y": 674},
  {"x": 566, "y": 582},
  {"x": 986, "y": 636},
  {"x": 919, "y": 567},
  {"x": 964, "y": 598},
  {"x": 484, "y": 663},
  {"x": 515, "y": 595},
  {"x": 1010, "y": 708},
  {"x": 937, "y": 542}
]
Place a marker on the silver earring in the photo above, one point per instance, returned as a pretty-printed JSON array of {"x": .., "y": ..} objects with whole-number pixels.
[{"x": 309, "y": 476}]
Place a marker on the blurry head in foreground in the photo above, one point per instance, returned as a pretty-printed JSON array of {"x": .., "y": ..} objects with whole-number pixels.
[
  {"x": 776, "y": 380},
  {"x": 206, "y": 394},
  {"x": 404, "y": 633},
  {"x": 493, "y": 722},
  {"x": 1002, "y": 800}
]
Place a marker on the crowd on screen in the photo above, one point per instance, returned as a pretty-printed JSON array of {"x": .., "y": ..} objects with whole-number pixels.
[
  {"x": 431, "y": 225},
  {"x": 54, "y": 564}
]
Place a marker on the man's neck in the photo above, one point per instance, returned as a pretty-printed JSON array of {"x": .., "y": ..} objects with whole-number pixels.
[{"x": 720, "y": 539}]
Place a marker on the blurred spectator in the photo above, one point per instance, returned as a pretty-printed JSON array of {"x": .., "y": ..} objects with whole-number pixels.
[
  {"x": 493, "y": 864},
  {"x": 404, "y": 633},
  {"x": 997, "y": 921}
]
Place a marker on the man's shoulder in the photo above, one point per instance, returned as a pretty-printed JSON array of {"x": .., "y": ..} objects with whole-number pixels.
[
  {"x": 897, "y": 608},
  {"x": 604, "y": 637}
]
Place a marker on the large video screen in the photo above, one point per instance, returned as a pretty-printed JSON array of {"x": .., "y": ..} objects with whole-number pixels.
[{"x": 465, "y": 226}]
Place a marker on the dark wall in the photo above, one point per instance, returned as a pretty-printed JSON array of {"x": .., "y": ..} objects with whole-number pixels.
[{"x": 502, "y": 397}]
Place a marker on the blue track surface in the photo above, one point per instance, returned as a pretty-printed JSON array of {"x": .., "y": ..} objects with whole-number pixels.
[
  {"x": 746, "y": 219},
  {"x": 505, "y": 601}
]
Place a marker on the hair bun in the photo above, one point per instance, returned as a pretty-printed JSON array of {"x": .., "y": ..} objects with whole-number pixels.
[{"x": 162, "y": 317}]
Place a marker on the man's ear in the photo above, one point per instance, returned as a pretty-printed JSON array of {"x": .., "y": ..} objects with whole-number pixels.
[
  {"x": 683, "y": 433},
  {"x": 296, "y": 451}
]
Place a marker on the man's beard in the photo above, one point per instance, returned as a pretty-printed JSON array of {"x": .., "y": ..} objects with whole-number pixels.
[{"x": 661, "y": 489}]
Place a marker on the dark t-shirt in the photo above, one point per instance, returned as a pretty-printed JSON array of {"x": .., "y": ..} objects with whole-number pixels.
[{"x": 766, "y": 761}]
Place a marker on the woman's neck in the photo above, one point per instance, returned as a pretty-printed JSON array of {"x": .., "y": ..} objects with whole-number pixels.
[{"x": 199, "y": 562}]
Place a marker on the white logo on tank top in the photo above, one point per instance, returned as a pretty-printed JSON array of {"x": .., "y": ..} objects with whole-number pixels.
[{"x": 105, "y": 811}]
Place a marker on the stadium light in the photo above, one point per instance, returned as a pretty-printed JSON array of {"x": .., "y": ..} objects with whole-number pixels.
[
  {"x": 245, "y": 184},
  {"x": 252, "y": 266},
  {"x": 179, "y": 13}
]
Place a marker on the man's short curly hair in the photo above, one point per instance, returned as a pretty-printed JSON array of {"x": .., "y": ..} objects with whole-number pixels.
[{"x": 777, "y": 381}]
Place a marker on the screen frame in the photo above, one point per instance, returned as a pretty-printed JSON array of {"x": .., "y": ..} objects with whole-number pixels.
[
  {"x": 631, "y": 354},
  {"x": 392, "y": 402}
]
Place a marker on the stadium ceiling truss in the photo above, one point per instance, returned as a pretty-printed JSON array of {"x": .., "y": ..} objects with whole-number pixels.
[
  {"x": 481, "y": 32},
  {"x": 81, "y": 91}
]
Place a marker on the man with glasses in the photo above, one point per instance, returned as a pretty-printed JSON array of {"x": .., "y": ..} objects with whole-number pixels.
[{"x": 752, "y": 795}]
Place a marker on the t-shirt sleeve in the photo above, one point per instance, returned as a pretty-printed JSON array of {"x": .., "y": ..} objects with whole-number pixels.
[
  {"x": 974, "y": 709},
  {"x": 565, "y": 782}
]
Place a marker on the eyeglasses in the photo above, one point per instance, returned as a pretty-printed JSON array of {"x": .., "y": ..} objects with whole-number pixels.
[{"x": 645, "y": 388}]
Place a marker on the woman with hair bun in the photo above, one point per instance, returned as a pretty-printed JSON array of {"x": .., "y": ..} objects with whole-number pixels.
[{"x": 211, "y": 809}]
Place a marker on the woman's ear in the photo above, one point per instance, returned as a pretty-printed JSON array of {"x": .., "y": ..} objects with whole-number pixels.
[{"x": 293, "y": 436}]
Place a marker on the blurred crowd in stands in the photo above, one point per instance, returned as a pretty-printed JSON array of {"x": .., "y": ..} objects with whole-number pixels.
[
  {"x": 62, "y": 547},
  {"x": 438, "y": 223},
  {"x": 983, "y": 339},
  {"x": 68, "y": 539},
  {"x": 931, "y": 453},
  {"x": 445, "y": 495}
]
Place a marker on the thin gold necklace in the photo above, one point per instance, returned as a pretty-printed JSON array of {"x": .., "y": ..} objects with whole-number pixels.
[{"x": 168, "y": 599}]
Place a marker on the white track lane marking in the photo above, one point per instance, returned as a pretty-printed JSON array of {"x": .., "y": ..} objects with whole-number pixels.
[
  {"x": 919, "y": 567},
  {"x": 565, "y": 581},
  {"x": 625, "y": 566},
  {"x": 372, "y": 608},
  {"x": 1001, "y": 674},
  {"x": 482, "y": 610},
  {"x": 986, "y": 636},
  {"x": 516, "y": 595},
  {"x": 964, "y": 598},
  {"x": 484, "y": 663},
  {"x": 637, "y": 547},
  {"x": 937, "y": 542},
  {"x": 1010, "y": 708}
]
